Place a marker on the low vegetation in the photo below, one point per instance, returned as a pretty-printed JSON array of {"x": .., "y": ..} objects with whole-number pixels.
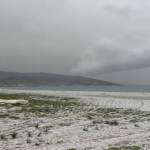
[
  {"x": 44, "y": 114},
  {"x": 14, "y": 135},
  {"x": 125, "y": 148}
]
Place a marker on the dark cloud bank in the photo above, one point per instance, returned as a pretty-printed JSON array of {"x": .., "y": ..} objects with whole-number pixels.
[{"x": 109, "y": 55}]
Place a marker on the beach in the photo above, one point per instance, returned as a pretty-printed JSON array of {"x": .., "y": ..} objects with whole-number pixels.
[{"x": 75, "y": 120}]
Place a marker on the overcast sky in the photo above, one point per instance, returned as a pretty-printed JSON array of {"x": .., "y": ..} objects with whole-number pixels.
[{"x": 108, "y": 40}]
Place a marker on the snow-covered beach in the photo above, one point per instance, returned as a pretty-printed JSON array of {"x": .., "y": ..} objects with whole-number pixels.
[{"x": 83, "y": 120}]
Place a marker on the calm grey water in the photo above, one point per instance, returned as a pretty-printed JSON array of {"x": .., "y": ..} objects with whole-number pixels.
[{"x": 139, "y": 89}]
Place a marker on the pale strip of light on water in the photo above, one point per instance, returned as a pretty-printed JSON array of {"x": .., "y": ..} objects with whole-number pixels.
[{"x": 135, "y": 89}]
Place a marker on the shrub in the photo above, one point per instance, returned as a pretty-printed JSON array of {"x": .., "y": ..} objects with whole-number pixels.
[
  {"x": 37, "y": 144},
  {"x": 14, "y": 135},
  {"x": 136, "y": 125},
  {"x": 39, "y": 134},
  {"x": 29, "y": 134},
  {"x": 85, "y": 129},
  {"x": 37, "y": 125},
  {"x": 28, "y": 141},
  {"x": 113, "y": 123},
  {"x": 2, "y": 136}
]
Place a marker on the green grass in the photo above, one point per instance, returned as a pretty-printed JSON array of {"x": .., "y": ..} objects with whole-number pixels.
[
  {"x": 112, "y": 123},
  {"x": 12, "y": 96},
  {"x": 65, "y": 124},
  {"x": 48, "y": 106},
  {"x": 40, "y": 105},
  {"x": 43, "y": 105},
  {"x": 118, "y": 113},
  {"x": 4, "y": 115},
  {"x": 125, "y": 148},
  {"x": 14, "y": 117}
]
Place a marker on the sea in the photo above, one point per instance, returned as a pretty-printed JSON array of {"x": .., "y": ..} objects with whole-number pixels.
[{"x": 135, "y": 89}]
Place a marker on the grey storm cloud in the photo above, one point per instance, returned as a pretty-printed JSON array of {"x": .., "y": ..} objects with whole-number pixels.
[
  {"x": 124, "y": 46},
  {"x": 109, "y": 55},
  {"x": 74, "y": 36}
]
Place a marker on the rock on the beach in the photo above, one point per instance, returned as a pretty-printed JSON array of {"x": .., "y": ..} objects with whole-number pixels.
[{"x": 14, "y": 101}]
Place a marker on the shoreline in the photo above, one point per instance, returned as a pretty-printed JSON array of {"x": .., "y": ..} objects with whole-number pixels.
[
  {"x": 108, "y": 89},
  {"x": 98, "y": 93}
]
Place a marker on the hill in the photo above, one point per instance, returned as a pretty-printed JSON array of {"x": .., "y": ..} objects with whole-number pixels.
[{"x": 37, "y": 79}]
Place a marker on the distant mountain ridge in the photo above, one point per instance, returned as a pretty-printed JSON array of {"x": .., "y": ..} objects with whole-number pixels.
[{"x": 48, "y": 79}]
